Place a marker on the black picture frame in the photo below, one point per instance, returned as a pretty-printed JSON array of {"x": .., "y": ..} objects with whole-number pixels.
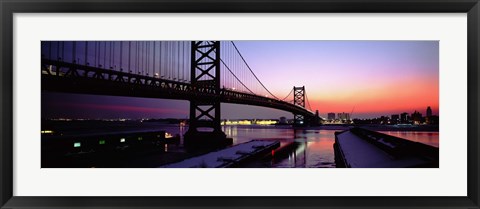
[{"x": 10, "y": 7}]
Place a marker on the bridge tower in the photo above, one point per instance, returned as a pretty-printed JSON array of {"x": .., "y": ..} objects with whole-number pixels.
[
  {"x": 205, "y": 111},
  {"x": 299, "y": 99}
]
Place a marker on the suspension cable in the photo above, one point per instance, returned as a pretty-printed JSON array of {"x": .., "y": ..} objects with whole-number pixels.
[
  {"x": 308, "y": 102},
  {"x": 291, "y": 91},
  {"x": 236, "y": 77},
  {"x": 252, "y": 70}
]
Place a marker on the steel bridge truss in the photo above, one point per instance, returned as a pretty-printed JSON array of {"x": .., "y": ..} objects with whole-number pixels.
[
  {"x": 299, "y": 99},
  {"x": 205, "y": 74},
  {"x": 59, "y": 76},
  {"x": 203, "y": 91}
]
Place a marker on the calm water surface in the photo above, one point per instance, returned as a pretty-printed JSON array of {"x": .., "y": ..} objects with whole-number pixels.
[
  {"x": 314, "y": 147},
  {"x": 430, "y": 138}
]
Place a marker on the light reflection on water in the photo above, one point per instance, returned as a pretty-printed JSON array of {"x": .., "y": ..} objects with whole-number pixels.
[
  {"x": 314, "y": 147},
  {"x": 430, "y": 138}
]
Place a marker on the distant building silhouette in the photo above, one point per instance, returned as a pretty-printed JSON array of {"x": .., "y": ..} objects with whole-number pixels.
[
  {"x": 417, "y": 118},
  {"x": 434, "y": 120},
  {"x": 429, "y": 111},
  {"x": 343, "y": 116},
  {"x": 395, "y": 119},
  {"x": 383, "y": 120},
  {"x": 430, "y": 118},
  {"x": 331, "y": 116},
  {"x": 404, "y": 119}
]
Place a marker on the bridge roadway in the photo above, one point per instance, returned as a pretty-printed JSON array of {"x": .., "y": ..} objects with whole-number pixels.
[{"x": 75, "y": 78}]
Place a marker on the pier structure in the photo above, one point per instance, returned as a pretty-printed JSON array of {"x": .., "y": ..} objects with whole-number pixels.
[
  {"x": 228, "y": 157},
  {"x": 362, "y": 148}
]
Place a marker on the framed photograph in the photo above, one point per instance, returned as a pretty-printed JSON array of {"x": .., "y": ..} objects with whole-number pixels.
[{"x": 265, "y": 104}]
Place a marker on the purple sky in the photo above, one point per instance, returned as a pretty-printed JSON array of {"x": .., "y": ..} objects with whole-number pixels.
[{"x": 376, "y": 77}]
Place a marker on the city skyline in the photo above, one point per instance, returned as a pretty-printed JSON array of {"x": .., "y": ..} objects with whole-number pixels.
[{"x": 375, "y": 78}]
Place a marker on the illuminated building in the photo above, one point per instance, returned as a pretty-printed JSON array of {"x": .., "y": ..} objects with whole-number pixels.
[
  {"x": 343, "y": 116},
  {"x": 416, "y": 118},
  {"x": 404, "y": 118}
]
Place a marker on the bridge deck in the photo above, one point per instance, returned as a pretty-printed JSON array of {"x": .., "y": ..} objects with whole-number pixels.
[{"x": 74, "y": 78}]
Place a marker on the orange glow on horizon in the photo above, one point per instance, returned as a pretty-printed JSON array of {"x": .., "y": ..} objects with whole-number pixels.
[{"x": 404, "y": 95}]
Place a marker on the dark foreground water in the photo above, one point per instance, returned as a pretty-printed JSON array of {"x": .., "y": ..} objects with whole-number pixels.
[{"x": 313, "y": 148}]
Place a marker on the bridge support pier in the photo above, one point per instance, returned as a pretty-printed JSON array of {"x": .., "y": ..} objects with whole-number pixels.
[{"x": 204, "y": 129}]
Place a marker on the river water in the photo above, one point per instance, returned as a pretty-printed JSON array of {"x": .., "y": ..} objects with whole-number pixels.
[{"x": 315, "y": 147}]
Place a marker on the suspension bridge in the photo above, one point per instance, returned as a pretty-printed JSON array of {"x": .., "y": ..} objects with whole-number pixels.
[{"x": 206, "y": 73}]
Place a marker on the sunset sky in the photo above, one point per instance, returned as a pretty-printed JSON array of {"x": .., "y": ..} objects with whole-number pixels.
[{"x": 372, "y": 78}]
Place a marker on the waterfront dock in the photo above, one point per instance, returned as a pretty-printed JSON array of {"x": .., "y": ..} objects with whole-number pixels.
[
  {"x": 228, "y": 157},
  {"x": 103, "y": 149},
  {"x": 361, "y": 148}
]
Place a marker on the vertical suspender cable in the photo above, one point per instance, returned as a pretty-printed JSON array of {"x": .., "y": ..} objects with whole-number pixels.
[
  {"x": 160, "y": 62},
  {"x": 180, "y": 61},
  {"x": 113, "y": 55},
  {"x": 86, "y": 52},
  {"x": 50, "y": 49},
  {"x": 104, "y": 54},
  {"x": 178, "y": 57},
  {"x": 74, "y": 57},
  {"x": 58, "y": 50},
  {"x": 95, "y": 54},
  {"x": 129, "y": 56},
  {"x": 136, "y": 60},
  {"x": 185, "y": 61},
  {"x": 142, "y": 47},
  {"x": 121, "y": 55},
  {"x": 109, "y": 54},
  {"x": 170, "y": 53},
  {"x": 168, "y": 59},
  {"x": 154, "y": 52},
  {"x": 148, "y": 57}
]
